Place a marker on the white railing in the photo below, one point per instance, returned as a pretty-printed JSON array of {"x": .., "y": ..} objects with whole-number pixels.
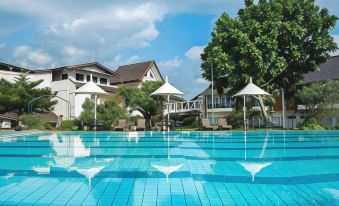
[{"x": 186, "y": 106}]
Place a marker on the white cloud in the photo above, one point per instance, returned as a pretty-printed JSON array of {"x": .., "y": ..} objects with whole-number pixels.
[
  {"x": 194, "y": 53},
  {"x": 119, "y": 60},
  {"x": 29, "y": 57},
  {"x": 176, "y": 62},
  {"x": 201, "y": 81},
  {"x": 336, "y": 39},
  {"x": 2, "y": 46}
]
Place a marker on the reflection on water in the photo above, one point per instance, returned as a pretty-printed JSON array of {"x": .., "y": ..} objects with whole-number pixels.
[
  {"x": 333, "y": 192},
  {"x": 133, "y": 135},
  {"x": 254, "y": 167},
  {"x": 89, "y": 173},
  {"x": 167, "y": 170},
  {"x": 67, "y": 148}
]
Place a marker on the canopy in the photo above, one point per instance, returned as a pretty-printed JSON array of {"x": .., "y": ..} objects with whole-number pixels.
[
  {"x": 167, "y": 89},
  {"x": 90, "y": 88},
  {"x": 251, "y": 89}
]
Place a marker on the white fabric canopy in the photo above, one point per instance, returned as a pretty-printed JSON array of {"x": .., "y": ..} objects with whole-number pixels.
[
  {"x": 167, "y": 89},
  {"x": 251, "y": 89},
  {"x": 90, "y": 88}
]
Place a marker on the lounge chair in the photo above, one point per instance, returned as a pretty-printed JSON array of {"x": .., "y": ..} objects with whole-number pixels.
[
  {"x": 206, "y": 124},
  {"x": 140, "y": 125},
  {"x": 122, "y": 125},
  {"x": 222, "y": 123}
]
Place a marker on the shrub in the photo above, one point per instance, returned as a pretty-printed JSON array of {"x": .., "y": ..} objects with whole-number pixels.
[
  {"x": 188, "y": 121},
  {"x": 48, "y": 126},
  {"x": 67, "y": 125},
  {"x": 312, "y": 127},
  {"x": 235, "y": 118},
  {"x": 311, "y": 124},
  {"x": 32, "y": 121}
]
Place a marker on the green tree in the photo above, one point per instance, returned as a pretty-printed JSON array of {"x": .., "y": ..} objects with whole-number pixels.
[
  {"x": 274, "y": 41},
  {"x": 140, "y": 99},
  {"x": 15, "y": 96},
  {"x": 111, "y": 111},
  {"x": 87, "y": 114},
  {"x": 320, "y": 99}
]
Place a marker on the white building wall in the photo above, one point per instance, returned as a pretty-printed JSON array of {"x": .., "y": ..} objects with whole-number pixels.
[{"x": 45, "y": 76}]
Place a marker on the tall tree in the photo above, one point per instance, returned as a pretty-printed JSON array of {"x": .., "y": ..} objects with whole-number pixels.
[
  {"x": 320, "y": 99},
  {"x": 140, "y": 99},
  {"x": 15, "y": 97},
  {"x": 274, "y": 41}
]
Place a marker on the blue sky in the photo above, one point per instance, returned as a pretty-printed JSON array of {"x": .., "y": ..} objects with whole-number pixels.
[{"x": 46, "y": 33}]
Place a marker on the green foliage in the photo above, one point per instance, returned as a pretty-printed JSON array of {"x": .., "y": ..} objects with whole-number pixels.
[
  {"x": 275, "y": 42},
  {"x": 311, "y": 124},
  {"x": 320, "y": 99},
  {"x": 110, "y": 111},
  {"x": 188, "y": 121},
  {"x": 335, "y": 127},
  {"x": 87, "y": 114},
  {"x": 67, "y": 125},
  {"x": 32, "y": 122},
  {"x": 141, "y": 100},
  {"x": 48, "y": 126},
  {"x": 312, "y": 127},
  {"x": 235, "y": 118},
  {"x": 15, "y": 96}
]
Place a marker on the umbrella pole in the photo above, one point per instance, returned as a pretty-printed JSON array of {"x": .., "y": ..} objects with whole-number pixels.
[
  {"x": 95, "y": 112},
  {"x": 168, "y": 112},
  {"x": 244, "y": 112}
]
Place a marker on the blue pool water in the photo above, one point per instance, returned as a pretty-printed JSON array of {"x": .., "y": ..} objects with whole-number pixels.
[{"x": 176, "y": 168}]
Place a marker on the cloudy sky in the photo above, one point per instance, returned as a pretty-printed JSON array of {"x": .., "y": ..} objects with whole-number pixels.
[{"x": 47, "y": 33}]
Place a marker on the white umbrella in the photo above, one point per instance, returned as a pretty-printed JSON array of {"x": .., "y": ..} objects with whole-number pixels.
[
  {"x": 91, "y": 88},
  {"x": 167, "y": 90},
  {"x": 250, "y": 89}
]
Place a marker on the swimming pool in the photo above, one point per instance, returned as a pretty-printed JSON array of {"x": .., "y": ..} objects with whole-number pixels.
[{"x": 176, "y": 168}]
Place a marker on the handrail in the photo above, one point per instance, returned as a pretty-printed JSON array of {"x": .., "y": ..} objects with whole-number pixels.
[{"x": 29, "y": 106}]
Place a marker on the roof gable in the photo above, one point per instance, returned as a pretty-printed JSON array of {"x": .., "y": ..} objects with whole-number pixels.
[
  {"x": 135, "y": 72},
  {"x": 328, "y": 71}
]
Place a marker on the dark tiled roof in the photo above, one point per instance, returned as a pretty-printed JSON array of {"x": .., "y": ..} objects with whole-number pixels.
[
  {"x": 328, "y": 71},
  {"x": 80, "y": 66},
  {"x": 9, "y": 115},
  {"x": 47, "y": 117},
  {"x": 9, "y": 67},
  {"x": 133, "y": 72}
]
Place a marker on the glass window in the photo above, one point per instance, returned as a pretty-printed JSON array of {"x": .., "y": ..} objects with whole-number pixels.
[
  {"x": 150, "y": 74},
  {"x": 79, "y": 77},
  {"x": 103, "y": 81},
  {"x": 88, "y": 78},
  {"x": 64, "y": 76},
  {"x": 95, "y": 79}
]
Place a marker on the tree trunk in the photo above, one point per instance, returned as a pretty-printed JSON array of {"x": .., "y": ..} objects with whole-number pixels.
[
  {"x": 266, "y": 115},
  {"x": 147, "y": 117}
]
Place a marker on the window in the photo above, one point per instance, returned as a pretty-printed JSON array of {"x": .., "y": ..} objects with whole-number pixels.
[
  {"x": 88, "y": 78},
  {"x": 79, "y": 77},
  {"x": 103, "y": 81},
  {"x": 64, "y": 76},
  {"x": 151, "y": 75},
  {"x": 95, "y": 79}
]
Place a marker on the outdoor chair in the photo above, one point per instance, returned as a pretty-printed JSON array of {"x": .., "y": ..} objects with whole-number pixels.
[
  {"x": 206, "y": 125},
  {"x": 122, "y": 125},
  {"x": 222, "y": 123},
  {"x": 140, "y": 125}
]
